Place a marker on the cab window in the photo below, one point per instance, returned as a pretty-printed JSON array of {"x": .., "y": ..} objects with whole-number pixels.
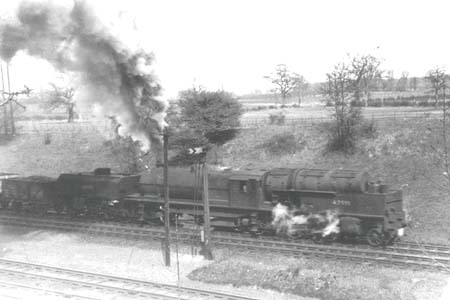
[{"x": 243, "y": 187}]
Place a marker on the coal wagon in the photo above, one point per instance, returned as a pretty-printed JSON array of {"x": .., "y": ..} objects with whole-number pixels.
[
  {"x": 98, "y": 193},
  {"x": 35, "y": 194}
]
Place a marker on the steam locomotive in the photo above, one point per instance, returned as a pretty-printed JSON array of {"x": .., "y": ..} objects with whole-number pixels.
[{"x": 305, "y": 203}]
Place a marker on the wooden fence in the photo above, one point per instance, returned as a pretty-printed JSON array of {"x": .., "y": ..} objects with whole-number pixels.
[{"x": 379, "y": 118}]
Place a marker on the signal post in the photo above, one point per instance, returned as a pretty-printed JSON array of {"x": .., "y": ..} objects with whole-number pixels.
[
  {"x": 206, "y": 232},
  {"x": 166, "y": 201}
]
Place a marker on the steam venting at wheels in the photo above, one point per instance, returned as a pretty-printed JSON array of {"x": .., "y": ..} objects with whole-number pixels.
[{"x": 285, "y": 221}]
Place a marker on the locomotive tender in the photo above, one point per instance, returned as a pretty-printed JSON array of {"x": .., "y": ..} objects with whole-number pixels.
[{"x": 242, "y": 200}]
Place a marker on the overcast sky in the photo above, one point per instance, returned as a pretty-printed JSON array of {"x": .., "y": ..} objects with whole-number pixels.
[{"x": 232, "y": 44}]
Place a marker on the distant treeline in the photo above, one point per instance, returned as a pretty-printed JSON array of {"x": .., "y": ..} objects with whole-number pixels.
[
  {"x": 385, "y": 91},
  {"x": 414, "y": 100}
]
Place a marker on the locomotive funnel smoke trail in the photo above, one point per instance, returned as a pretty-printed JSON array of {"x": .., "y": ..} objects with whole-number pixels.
[
  {"x": 284, "y": 221},
  {"x": 114, "y": 75}
]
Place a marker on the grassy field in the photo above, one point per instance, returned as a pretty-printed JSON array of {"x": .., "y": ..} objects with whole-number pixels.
[
  {"x": 52, "y": 150},
  {"x": 314, "y": 278},
  {"x": 323, "y": 111}
]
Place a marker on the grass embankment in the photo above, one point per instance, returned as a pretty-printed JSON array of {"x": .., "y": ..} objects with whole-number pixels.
[
  {"x": 322, "y": 279},
  {"x": 68, "y": 148}
]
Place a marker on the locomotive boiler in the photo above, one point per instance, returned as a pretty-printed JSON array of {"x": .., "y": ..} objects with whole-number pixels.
[
  {"x": 314, "y": 199},
  {"x": 364, "y": 209}
]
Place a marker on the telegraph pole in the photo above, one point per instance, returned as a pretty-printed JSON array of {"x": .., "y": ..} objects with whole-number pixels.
[
  {"x": 11, "y": 108},
  {"x": 5, "y": 110},
  {"x": 166, "y": 201},
  {"x": 7, "y": 102},
  {"x": 206, "y": 236}
]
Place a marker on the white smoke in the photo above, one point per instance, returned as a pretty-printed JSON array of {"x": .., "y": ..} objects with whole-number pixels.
[
  {"x": 333, "y": 223},
  {"x": 285, "y": 220}
]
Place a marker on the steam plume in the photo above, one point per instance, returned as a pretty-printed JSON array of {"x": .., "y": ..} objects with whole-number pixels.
[
  {"x": 285, "y": 221},
  {"x": 113, "y": 75}
]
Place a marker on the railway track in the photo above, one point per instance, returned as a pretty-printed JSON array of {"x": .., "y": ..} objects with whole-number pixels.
[
  {"x": 76, "y": 284},
  {"x": 398, "y": 247},
  {"x": 412, "y": 255}
]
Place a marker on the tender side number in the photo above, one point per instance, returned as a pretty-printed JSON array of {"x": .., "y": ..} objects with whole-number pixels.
[{"x": 342, "y": 202}]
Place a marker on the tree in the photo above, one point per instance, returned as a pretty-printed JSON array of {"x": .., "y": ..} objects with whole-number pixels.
[
  {"x": 61, "y": 97},
  {"x": 437, "y": 79},
  {"x": 285, "y": 81},
  {"x": 402, "y": 82},
  {"x": 364, "y": 69},
  {"x": 388, "y": 81},
  {"x": 343, "y": 88},
  {"x": 301, "y": 89},
  {"x": 440, "y": 141},
  {"x": 340, "y": 90},
  {"x": 204, "y": 119},
  {"x": 413, "y": 82}
]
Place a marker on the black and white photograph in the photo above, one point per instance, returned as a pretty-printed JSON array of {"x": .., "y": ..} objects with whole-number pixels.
[{"x": 213, "y": 149}]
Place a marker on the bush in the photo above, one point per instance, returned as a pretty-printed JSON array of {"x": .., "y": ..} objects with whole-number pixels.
[
  {"x": 284, "y": 143},
  {"x": 368, "y": 129},
  {"x": 344, "y": 135},
  {"x": 344, "y": 131},
  {"x": 277, "y": 119},
  {"x": 375, "y": 102}
]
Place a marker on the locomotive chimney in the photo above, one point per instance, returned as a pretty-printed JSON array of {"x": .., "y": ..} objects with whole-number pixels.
[{"x": 102, "y": 171}]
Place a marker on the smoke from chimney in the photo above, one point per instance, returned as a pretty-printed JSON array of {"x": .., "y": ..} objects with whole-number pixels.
[{"x": 112, "y": 74}]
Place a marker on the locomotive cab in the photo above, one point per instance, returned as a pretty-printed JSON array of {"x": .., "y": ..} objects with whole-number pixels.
[{"x": 245, "y": 191}]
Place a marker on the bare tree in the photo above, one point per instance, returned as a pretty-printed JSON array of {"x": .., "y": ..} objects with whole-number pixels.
[
  {"x": 437, "y": 79},
  {"x": 340, "y": 89},
  {"x": 402, "y": 82},
  {"x": 364, "y": 69},
  {"x": 301, "y": 89},
  {"x": 61, "y": 97},
  {"x": 345, "y": 85},
  {"x": 413, "y": 82},
  {"x": 285, "y": 81},
  {"x": 388, "y": 81},
  {"x": 440, "y": 143}
]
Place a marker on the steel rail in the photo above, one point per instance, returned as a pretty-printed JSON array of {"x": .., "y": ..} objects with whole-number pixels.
[
  {"x": 37, "y": 291},
  {"x": 406, "y": 256},
  {"x": 113, "y": 284}
]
